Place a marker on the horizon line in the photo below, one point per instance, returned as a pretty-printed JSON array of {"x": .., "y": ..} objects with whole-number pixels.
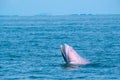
[{"x": 83, "y": 14}]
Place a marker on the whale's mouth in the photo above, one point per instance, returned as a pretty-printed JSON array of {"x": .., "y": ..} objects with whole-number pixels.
[{"x": 63, "y": 52}]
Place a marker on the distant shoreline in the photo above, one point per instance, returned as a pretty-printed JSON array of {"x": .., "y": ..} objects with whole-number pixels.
[{"x": 62, "y": 15}]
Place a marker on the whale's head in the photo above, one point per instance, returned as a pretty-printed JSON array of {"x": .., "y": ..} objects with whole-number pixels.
[{"x": 70, "y": 56}]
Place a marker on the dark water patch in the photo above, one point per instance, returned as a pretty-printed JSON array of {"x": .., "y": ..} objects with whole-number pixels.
[
  {"x": 35, "y": 77},
  {"x": 0, "y": 66},
  {"x": 69, "y": 66}
]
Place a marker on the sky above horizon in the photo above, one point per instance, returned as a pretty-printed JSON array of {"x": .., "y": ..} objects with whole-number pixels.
[{"x": 59, "y": 7}]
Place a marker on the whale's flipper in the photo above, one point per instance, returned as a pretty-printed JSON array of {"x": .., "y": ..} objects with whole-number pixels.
[{"x": 71, "y": 56}]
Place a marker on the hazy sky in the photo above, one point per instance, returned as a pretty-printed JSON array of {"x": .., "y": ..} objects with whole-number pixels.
[{"x": 36, "y": 7}]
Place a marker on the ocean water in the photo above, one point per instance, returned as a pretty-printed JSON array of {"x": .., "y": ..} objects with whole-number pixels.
[{"x": 30, "y": 47}]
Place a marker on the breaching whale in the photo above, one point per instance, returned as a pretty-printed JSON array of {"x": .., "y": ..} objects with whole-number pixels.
[{"x": 71, "y": 56}]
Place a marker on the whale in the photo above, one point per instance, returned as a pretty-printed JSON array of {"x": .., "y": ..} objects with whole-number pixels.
[{"x": 70, "y": 56}]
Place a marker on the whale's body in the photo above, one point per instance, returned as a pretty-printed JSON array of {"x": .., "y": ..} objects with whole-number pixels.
[{"x": 71, "y": 56}]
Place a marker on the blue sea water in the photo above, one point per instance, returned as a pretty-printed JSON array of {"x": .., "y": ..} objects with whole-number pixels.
[{"x": 30, "y": 47}]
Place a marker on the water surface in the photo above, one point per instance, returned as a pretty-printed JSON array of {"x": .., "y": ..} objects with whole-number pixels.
[{"x": 30, "y": 47}]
